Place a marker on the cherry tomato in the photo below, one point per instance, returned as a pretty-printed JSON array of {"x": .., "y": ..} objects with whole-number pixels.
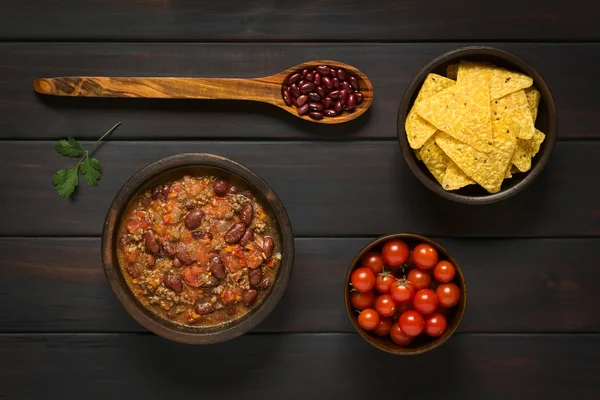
[
  {"x": 448, "y": 294},
  {"x": 398, "y": 336},
  {"x": 425, "y": 301},
  {"x": 421, "y": 279},
  {"x": 402, "y": 291},
  {"x": 411, "y": 322},
  {"x": 395, "y": 252},
  {"x": 360, "y": 301},
  {"x": 372, "y": 260},
  {"x": 435, "y": 325},
  {"x": 385, "y": 305},
  {"x": 385, "y": 324},
  {"x": 383, "y": 283},
  {"x": 363, "y": 279},
  {"x": 368, "y": 319},
  {"x": 425, "y": 256},
  {"x": 444, "y": 271}
]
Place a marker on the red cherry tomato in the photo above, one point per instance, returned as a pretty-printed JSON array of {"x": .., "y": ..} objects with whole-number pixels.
[
  {"x": 372, "y": 260},
  {"x": 395, "y": 252},
  {"x": 368, "y": 319},
  {"x": 383, "y": 283},
  {"x": 435, "y": 325},
  {"x": 425, "y": 301},
  {"x": 425, "y": 256},
  {"x": 444, "y": 271},
  {"x": 411, "y": 322},
  {"x": 402, "y": 291},
  {"x": 385, "y": 324},
  {"x": 448, "y": 294},
  {"x": 360, "y": 301},
  {"x": 385, "y": 305},
  {"x": 399, "y": 337},
  {"x": 420, "y": 278},
  {"x": 363, "y": 279}
]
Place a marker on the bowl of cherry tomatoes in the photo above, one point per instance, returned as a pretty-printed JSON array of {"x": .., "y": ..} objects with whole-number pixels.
[{"x": 405, "y": 294}]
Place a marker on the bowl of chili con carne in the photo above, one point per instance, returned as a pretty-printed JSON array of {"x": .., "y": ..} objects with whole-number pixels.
[{"x": 197, "y": 248}]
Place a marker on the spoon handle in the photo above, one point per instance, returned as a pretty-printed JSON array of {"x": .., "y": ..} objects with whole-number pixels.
[{"x": 265, "y": 89}]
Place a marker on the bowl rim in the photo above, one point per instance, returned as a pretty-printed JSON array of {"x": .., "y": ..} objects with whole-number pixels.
[
  {"x": 406, "y": 236},
  {"x": 112, "y": 269},
  {"x": 510, "y": 58}
]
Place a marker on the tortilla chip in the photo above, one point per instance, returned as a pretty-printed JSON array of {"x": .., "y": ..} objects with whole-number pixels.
[
  {"x": 514, "y": 107},
  {"x": 455, "y": 178},
  {"x": 508, "y": 173},
  {"x": 452, "y": 71},
  {"x": 464, "y": 116},
  {"x": 418, "y": 130},
  {"x": 418, "y": 155},
  {"x": 435, "y": 159},
  {"x": 526, "y": 150},
  {"x": 533, "y": 99},
  {"x": 504, "y": 82}
]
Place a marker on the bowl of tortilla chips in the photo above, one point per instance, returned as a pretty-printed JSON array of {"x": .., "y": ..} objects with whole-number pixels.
[{"x": 477, "y": 125}]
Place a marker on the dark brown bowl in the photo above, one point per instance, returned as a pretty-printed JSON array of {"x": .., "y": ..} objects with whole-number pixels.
[
  {"x": 422, "y": 343},
  {"x": 174, "y": 167},
  {"x": 546, "y": 122}
]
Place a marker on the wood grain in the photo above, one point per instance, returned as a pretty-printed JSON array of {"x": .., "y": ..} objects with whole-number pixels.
[
  {"x": 377, "y": 20},
  {"x": 390, "y": 67},
  {"x": 296, "y": 367},
  {"x": 328, "y": 188},
  {"x": 58, "y": 285}
]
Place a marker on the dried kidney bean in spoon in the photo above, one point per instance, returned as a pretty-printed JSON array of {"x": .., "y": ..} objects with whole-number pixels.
[{"x": 313, "y": 92}]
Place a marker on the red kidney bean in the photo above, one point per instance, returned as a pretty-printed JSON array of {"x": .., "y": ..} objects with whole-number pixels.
[
  {"x": 193, "y": 219},
  {"x": 173, "y": 282},
  {"x": 314, "y": 106},
  {"x": 347, "y": 87},
  {"x": 151, "y": 242},
  {"x": 301, "y": 100},
  {"x": 294, "y": 90},
  {"x": 330, "y": 113},
  {"x": 156, "y": 193},
  {"x": 303, "y": 110},
  {"x": 217, "y": 267},
  {"x": 268, "y": 244},
  {"x": 235, "y": 233},
  {"x": 294, "y": 78},
  {"x": 314, "y": 71},
  {"x": 201, "y": 234},
  {"x": 168, "y": 249},
  {"x": 351, "y": 102},
  {"x": 166, "y": 190},
  {"x": 307, "y": 87},
  {"x": 249, "y": 297},
  {"x": 359, "y": 97},
  {"x": 248, "y": 194},
  {"x": 247, "y": 238},
  {"x": 205, "y": 308},
  {"x": 334, "y": 94},
  {"x": 315, "y": 115},
  {"x": 353, "y": 80},
  {"x": 328, "y": 83},
  {"x": 317, "y": 78},
  {"x": 233, "y": 189},
  {"x": 305, "y": 72},
  {"x": 183, "y": 255},
  {"x": 302, "y": 82},
  {"x": 338, "y": 106},
  {"x": 264, "y": 285},
  {"x": 287, "y": 97},
  {"x": 254, "y": 277},
  {"x": 336, "y": 83},
  {"x": 246, "y": 213},
  {"x": 323, "y": 70},
  {"x": 221, "y": 186},
  {"x": 314, "y": 97},
  {"x": 176, "y": 262},
  {"x": 343, "y": 96},
  {"x": 333, "y": 73},
  {"x": 341, "y": 73},
  {"x": 310, "y": 77},
  {"x": 327, "y": 102}
]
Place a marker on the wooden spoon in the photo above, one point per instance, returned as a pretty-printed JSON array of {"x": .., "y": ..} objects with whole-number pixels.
[{"x": 267, "y": 89}]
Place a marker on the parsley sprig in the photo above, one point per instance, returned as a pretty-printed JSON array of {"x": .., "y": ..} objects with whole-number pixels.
[{"x": 66, "y": 180}]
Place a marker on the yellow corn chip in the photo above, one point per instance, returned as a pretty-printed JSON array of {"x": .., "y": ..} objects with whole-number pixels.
[
  {"x": 452, "y": 71},
  {"x": 503, "y": 82},
  {"x": 533, "y": 99},
  {"x": 508, "y": 173},
  {"x": 418, "y": 154},
  {"x": 464, "y": 117},
  {"x": 435, "y": 159},
  {"x": 526, "y": 150},
  {"x": 515, "y": 108},
  {"x": 418, "y": 130},
  {"x": 455, "y": 178}
]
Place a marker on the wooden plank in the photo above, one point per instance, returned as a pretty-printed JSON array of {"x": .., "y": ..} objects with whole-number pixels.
[
  {"x": 306, "y": 20},
  {"x": 23, "y": 114},
  {"x": 329, "y": 189},
  {"x": 297, "y": 366},
  {"x": 524, "y": 285}
]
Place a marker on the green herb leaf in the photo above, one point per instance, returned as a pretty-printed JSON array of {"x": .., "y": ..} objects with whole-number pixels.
[
  {"x": 90, "y": 168},
  {"x": 69, "y": 147},
  {"x": 65, "y": 181}
]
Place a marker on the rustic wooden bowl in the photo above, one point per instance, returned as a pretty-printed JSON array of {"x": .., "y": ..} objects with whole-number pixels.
[
  {"x": 422, "y": 343},
  {"x": 174, "y": 167},
  {"x": 546, "y": 122}
]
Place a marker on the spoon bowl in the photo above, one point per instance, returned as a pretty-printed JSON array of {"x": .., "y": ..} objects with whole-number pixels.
[{"x": 267, "y": 89}]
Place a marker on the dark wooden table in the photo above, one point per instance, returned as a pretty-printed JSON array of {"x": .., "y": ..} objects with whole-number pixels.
[{"x": 532, "y": 326}]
